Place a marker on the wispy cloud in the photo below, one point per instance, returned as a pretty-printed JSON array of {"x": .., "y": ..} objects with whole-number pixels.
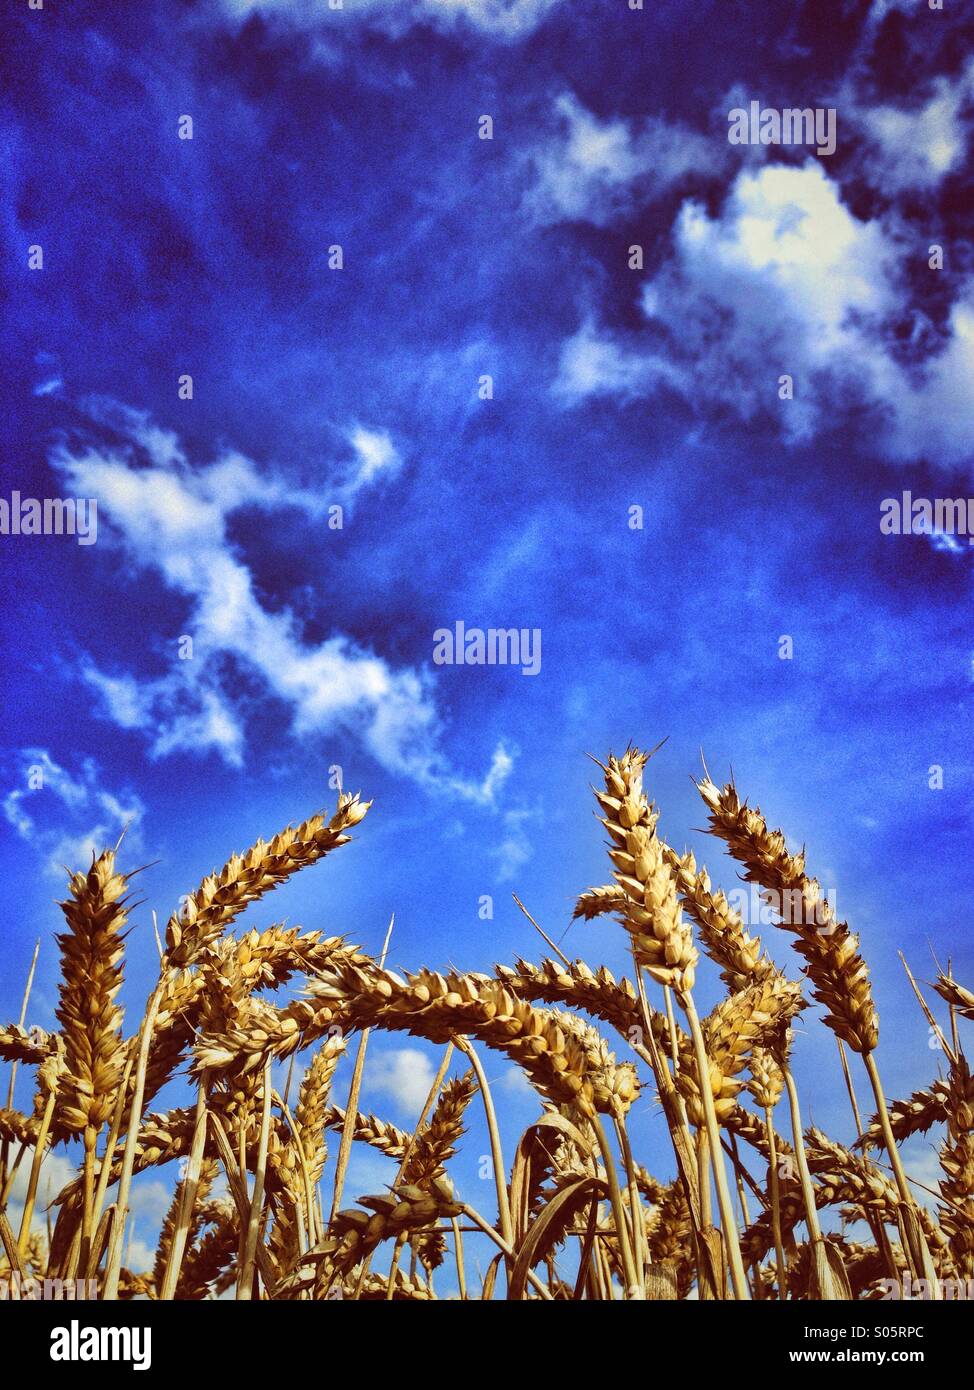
[
  {"x": 502, "y": 19},
  {"x": 913, "y": 147},
  {"x": 515, "y": 848},
  {"x": 375, "y": 457},
  {"x": 172, "y": 518},
  {"x": 485, "y": 792},
  {"x": 594, "y": 170},
  {"x": 68, "y": 817}
]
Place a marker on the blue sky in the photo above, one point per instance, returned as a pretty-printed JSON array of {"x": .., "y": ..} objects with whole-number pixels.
[{"x": 612, "y": 388}]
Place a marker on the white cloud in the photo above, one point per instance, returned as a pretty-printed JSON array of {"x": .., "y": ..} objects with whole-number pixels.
[
  {"x": 593, "y": 364},
  {"x": 913, "y": 147},
  {"x": 516, "y": 1083},
  {"x": 501, "y": 766},
  {"x": 57, "y": 1170},
  {"x": 502, "y": 19},
  {"x": 375, "y": 457},
  {"x": 375, "y": 451},
  {"x": 933, "y": 419},
  {"x": 404, "y": 1074},
  {"x": 881, "y": 8},
  {"x": 68, "y": 817},
  {"x": 515, "y": 848},
  {"x": 139, "y": 1257},
  {"x": 785, "y": 279},
  {"x": 368, "y": 1172},
  {"x": 596, "y": 170},
  {"x": 149, "y": 1200},
  {"x": 484, "y": 793},
  {"x": 172, "y": 518},
  {"x": 178, "y": 714}
]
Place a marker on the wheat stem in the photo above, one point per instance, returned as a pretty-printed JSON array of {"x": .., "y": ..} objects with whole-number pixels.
[
  {"x": 35, "y": 1171},
  {"x": 90, "y": 1140},
  {"x": 703, "y": 1177},
  {"x": 246, "y": 1281},
  {"x": 640, "y": 1246},
  {"x": 190, "y": 1188},
  {"x": 775, "y": 1184},
  {"x": 849, "y": 1086},
  {"x": 458, "y": 1250},
  {"x": 804, "y": 1176},
  {"x": 872, "y": 1071},
  {"x": 673, "y": 1107},
  {"x": 731, "y": 1242},
  {"x": 633, "y": 1285},
  {"x": 914, "y": 1240},
  {"x": 25, "y": 999},
  {"x": 348, "y": 1128},
  {"x": 114, "y": 1263},
  {"x": 497, "y": 1157},
  {"x": 9, "y": 1244},
  {"x": 108, "y": 1157},
  {"x": 504, "y": 1246}
]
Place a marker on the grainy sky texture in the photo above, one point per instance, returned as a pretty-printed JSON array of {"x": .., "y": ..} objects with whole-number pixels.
[{"x": 613, "y": 387}]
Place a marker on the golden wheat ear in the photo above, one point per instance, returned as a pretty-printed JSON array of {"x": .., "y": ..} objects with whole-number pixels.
[
  {"x": 192, "y": 931},
  {"x": 957, "y": 1162},
  {"x": 838, "y": 973},
  {"x": 955, "y": 995},
  {"x": 661, "y": 940},
  {"x": 720, "y": 927},
  {"x": 92, "y": 953},
  {"x": 596, "y": 902},
  {"x": 18, "y": 1044}
]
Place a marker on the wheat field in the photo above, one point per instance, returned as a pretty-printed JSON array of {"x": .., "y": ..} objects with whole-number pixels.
[{"x": 573, "y": 1214}]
